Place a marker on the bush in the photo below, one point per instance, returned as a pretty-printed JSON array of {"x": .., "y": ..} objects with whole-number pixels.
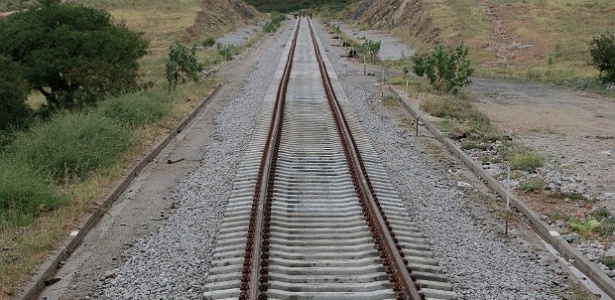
[
  {"x": 602, "y": 50},
  {"x": 137, "y": 109},
  {"x": 532, "y": 185},
  {"x": 72, "y": 54},
  {"x": 208, "y": 42},
  {"x": 526, "y": 161},
  {"x": 274, "y": 24},
  {"x": 182, "y": 64},
  {"x": 69, "y": 146},
  {"x": 13, "y": 95},
  {"x": 447, "y": 69},
  {"x": 24, "y": 192},
  {"x": 227, "y": 51},
  {"x": 369, "y": 48}
]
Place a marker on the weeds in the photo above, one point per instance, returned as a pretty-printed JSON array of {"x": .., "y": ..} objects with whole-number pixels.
[
  {"x": 70, "y": 146},
  {"x": 137, "y": 109},
  {"x": 24, "y": 193},
  {"x": 228, "y": 52},
  {"x": 608, "y": 261},
  {"x": 599, "y": 223},
  {"x": 208, "y": 42},
  {"x": 531, "y": 185},
  {"x": 526, "y": 160},
  {"x": 274, "y": 23}
]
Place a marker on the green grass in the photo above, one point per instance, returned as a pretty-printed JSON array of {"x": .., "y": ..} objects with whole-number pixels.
[
  {"x": 531, "y": 185},
  {"x": 24, "y": 193},
  {"x": 524, "y": 159},
  {"x": 137, "y": 109},
  {"x": 608, "y": 261},
  {"x": 70, "y": 145}
]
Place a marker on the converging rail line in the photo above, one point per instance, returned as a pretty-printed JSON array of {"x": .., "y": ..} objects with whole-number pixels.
[{"x": 312, "y": 214}]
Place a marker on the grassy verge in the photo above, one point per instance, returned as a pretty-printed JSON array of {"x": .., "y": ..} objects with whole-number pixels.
[{"x": 57, "y": 171}]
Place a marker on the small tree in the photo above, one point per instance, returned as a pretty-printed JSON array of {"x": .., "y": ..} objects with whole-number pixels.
[
  {"x": 182, "y": 64},
  {"x": 13, "y": 94},
  {"x": 602, "y": 50},
  {"x": 447, "y": 69},
  {"x": 72, "y": 54}
]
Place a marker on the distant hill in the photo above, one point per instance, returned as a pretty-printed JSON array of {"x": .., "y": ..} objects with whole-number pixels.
[{"x": 286, "y": 6}]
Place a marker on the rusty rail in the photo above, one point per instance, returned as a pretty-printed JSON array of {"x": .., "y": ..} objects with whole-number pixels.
[
  {"x": 254, "y": 277},
  {"x": 393, "y": 259}
]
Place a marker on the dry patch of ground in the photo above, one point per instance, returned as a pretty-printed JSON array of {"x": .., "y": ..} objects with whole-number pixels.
[{"x": 573, "y": 130}]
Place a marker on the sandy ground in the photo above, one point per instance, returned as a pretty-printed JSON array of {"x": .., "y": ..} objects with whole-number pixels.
[{"x": 574, "y": 130}]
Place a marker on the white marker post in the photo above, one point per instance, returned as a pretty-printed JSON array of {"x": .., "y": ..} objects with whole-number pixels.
[
  {"x": 382, "y": 87},
  {"x": 507, "y": 202}
]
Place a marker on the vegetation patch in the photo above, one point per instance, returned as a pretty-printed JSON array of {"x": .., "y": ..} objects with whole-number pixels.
[
  {"x": 25, "y": 192},
  {"x": 274, "y": 23},
  {"x": 72, "y": 54},
  {"x": 525, "y": 159},
  {"x": 599, "y": 223},
  {"x": 69, "y": 146},
  {"x": 532, "y": 185},
  {"x": 137, "y": 109},
  {"x": 182, "y": 65},
  {"x": 447, "y": 69},
  {"x": 608, "y": 261}
]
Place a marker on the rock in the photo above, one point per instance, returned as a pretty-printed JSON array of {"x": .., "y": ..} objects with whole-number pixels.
[{"x": 110, "y": 274}]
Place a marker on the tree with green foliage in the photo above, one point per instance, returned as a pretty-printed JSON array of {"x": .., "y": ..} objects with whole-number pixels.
[
  {"x": 369, "y": 49},
  {"x": 182, "y": 64},
  {"x": 602, "y": 50},
  {"x": 447, "y": 69},
  {"x": 13, "y": 94},
  {"x": 72, "y": 54}
]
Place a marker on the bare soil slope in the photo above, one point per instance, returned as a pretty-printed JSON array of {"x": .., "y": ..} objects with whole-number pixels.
[
  {"x": 392, "y": 13},
  {"x": 221, "y": 15}
]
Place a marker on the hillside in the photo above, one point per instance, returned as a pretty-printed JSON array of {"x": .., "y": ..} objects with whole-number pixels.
[
  {"x": 217, "y": 16},
  {"x": 291, "y": 6},
  {"x": 529, "y": 39},
  {"x": 384, "y": 14}
]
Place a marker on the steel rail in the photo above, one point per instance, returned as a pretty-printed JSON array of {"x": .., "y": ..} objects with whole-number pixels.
[
  {"x": 254, "y": 278},
  {"x": 396, "y": 265}
]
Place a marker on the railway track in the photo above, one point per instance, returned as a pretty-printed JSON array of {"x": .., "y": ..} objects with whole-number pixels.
[{"x": 312, "y": 214}]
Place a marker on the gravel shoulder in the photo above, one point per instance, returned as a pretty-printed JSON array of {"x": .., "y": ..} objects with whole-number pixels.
[
  {"x": 463, "y": 223},
  {"x": 178, "y": 204}
]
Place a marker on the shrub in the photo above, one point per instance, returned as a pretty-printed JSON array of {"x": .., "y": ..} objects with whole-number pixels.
[
  {"x": 13, "y": 94},
  {"x": 208, "y": 42},
  {"x": 72, "y": 54},
  {"x": 69, "y": 146},
  {"x": 446, "y": 69},
  {"x": 274, "y": 23},
  {"x": 526, "y": 160},
  {"x": 532, "y": 185},
  {"x": 602, "y": 50},
  {"x": 227, "y": 51},
  {"x": 369, "y": 49},
  {"x": 137, "y": 109},
  {"x": 182, "y": 64},
  {"x": 608, "y": 261}
]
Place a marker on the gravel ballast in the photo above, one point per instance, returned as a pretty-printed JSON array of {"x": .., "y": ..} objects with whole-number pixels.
[
  {"x": 173, "y": 262},
  {"x": 480, "y": 264}
]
